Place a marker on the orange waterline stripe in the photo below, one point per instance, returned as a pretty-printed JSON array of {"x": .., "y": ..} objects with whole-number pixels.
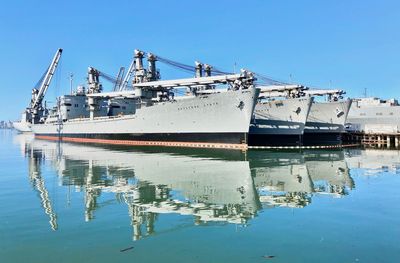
[{"x": 148, "y": 143}]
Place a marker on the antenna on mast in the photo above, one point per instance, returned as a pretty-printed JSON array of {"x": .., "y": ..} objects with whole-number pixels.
[{"x": 71, "y": 78}]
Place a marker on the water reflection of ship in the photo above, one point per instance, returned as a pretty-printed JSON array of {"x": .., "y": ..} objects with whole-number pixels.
[
  {"x": 210, "y": 189},
  {"x": 210, "y": 186},
  {"x": 281, "y": 178},
  {"x": 291, "y": 178},
  {"x": 329, "y": 172},
  {"x": 374, "y": 161}
]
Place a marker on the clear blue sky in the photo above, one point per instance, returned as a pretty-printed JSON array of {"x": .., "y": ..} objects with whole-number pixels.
[{"x": 351, "y": 44}]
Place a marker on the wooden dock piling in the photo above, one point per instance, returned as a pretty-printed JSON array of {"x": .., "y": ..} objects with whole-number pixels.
[{"x": 373, "y": 139}]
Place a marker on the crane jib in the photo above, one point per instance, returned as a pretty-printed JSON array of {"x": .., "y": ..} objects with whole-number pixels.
[{"x": 47, "y": 80}]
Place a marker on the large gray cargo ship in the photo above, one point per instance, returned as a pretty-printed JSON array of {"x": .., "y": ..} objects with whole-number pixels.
[{"x": 150, "y": 114}]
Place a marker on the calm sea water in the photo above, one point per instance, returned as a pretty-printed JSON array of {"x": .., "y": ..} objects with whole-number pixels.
[{"x": 84, "y": 203}]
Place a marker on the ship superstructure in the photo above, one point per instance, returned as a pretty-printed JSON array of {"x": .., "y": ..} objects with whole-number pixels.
[{"x": 150, "y": 114}]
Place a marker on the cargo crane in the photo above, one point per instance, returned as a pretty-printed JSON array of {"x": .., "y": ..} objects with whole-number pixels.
[
  {"x": 39, "y": 94},
  {"x": 127, "y": 77},
  {"x": 35, "y": 112},
  {"x": 119, "y": 80},
  {"x": 333, "y": 94},
  {"x": 94, "y": 80},
  {"x": 288, "y": 91}
]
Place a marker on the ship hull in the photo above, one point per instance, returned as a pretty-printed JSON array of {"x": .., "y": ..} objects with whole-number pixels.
[
  {"x": 213, "y": 121},
  {"x": 326, "y": 123},
  {"x": 279, "y": 122}
]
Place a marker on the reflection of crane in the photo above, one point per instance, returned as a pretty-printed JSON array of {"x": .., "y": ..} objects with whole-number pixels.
[
  {"x": 38, "y": 95},
  {"x": 38, "y": 184}
]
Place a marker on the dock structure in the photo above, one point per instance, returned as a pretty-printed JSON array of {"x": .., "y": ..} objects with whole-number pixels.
[{"x": 388, "y": 140}]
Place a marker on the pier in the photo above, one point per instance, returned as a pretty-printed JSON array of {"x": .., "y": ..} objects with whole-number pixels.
[{"x": 388, "y": 140}]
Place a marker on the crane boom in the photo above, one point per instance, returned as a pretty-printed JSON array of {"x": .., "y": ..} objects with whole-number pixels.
[
  {"x": 47, "y": 80},
  {"x": 321, "y": 92},
  {"x": 128, "y": 76},
  {"x": 119, "y": 79}
]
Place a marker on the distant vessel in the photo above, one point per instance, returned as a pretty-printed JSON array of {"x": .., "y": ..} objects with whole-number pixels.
[
  {"x": 280, "y": 122},
  {"x": 374, "y": 115},
  {"x": 150, "y": 115},
  {"x": 326, "y": 120}
]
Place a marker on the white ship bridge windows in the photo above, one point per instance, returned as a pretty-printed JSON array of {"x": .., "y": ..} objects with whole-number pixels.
[{"x": 379, "y": 113}]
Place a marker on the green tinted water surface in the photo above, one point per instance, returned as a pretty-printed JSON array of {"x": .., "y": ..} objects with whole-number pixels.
[{"x": 85, "y": 203}]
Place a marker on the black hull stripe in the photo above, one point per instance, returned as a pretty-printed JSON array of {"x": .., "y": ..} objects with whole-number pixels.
[
  {"x": 274, "y": 140},
  {"x": 322, "y": 138}
]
